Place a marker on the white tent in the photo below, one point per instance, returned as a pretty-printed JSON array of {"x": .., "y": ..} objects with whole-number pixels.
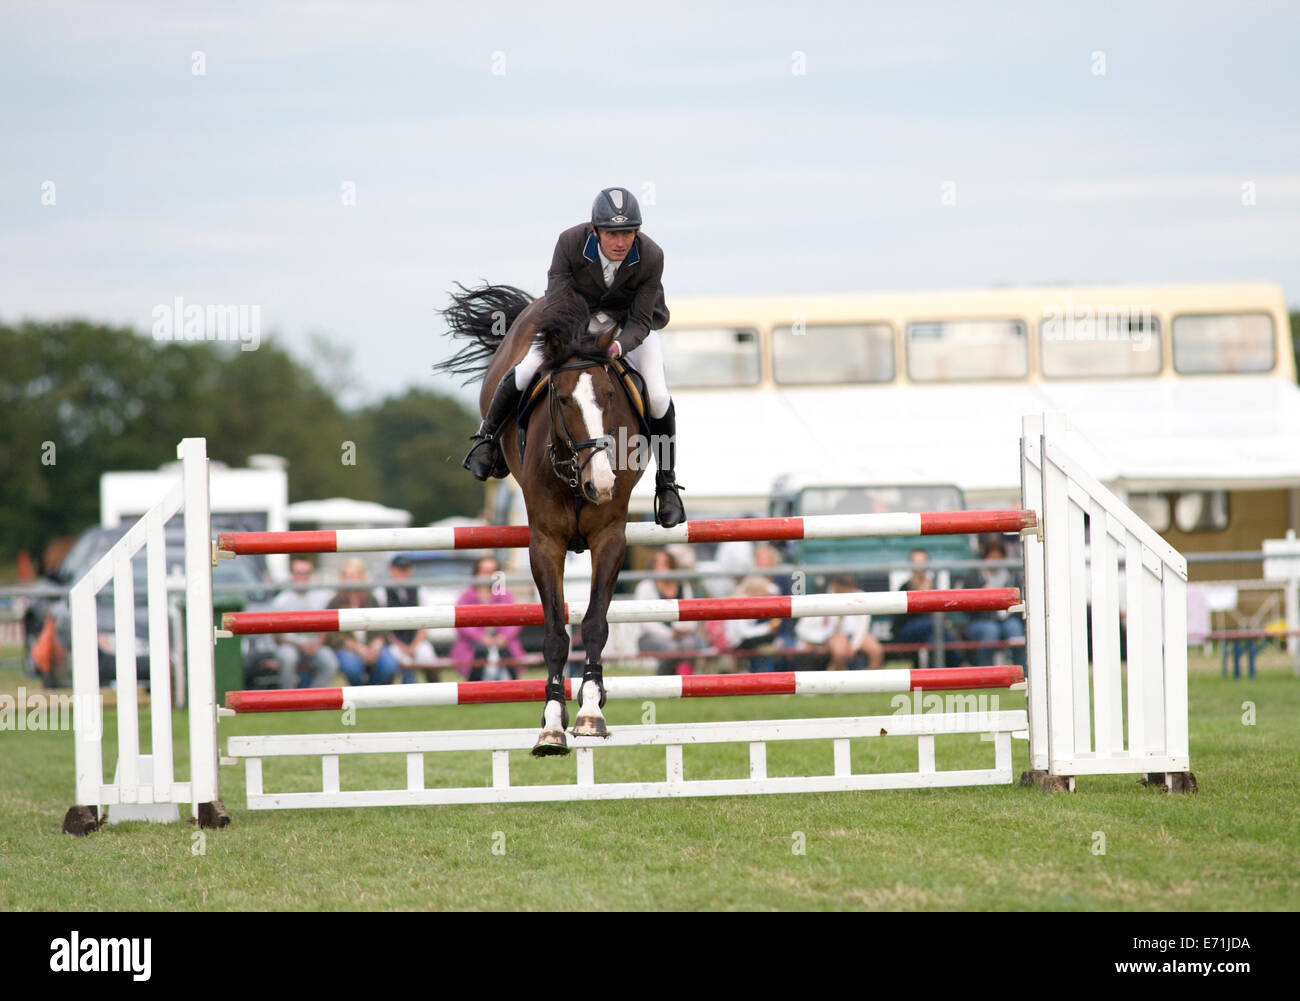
[{"x": 340, "y": 512}]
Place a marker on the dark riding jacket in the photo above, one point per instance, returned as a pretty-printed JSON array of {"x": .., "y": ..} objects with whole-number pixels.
[{"x": 635, "y": 300}]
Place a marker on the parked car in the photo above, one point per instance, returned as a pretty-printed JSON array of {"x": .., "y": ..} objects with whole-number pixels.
[{"x": 90, "y": 546}]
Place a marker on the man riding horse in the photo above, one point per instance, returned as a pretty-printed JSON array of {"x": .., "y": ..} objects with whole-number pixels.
[{"x": 617, "y": 270}]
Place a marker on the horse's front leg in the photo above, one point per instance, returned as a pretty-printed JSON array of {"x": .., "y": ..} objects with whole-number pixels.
[
  {"x": 606, "y": 561},
  {"x": 547, "y": 559}
]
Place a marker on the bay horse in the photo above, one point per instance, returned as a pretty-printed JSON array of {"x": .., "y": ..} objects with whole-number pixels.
[{"x": 576, "y": 490}]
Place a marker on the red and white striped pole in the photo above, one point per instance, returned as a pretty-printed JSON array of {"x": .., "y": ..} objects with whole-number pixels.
[
  {"x": 839, "y": 526},
  {"x": 629, "y": 687},
  {"x": 667, "y": 610}
]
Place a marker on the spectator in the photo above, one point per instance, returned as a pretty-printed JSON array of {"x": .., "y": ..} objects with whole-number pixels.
[
  {"x": 667, "y": 637},
  {"x": 919, "y": 627},
  {"x": 306, "y": 660},
  {"x": 754, "y": 634},
  {"x": 407, "y": 646},
  {"x": 767, "y": 556},
  {"x": 736, "y": 556},
  {"x": 363, "y": 659},
  {"x": 847, "y": 638},
  {"x": 985, "y": 626},
  {"x": 486, "y": 642}
]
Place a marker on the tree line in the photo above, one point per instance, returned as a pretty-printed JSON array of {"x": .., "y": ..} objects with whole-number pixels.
[{"x": 78, "y": 399}]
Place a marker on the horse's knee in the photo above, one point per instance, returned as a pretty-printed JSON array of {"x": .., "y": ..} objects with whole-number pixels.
[
  {"x": 594, "y": 635},
  {"x": 556, "y": 645}
]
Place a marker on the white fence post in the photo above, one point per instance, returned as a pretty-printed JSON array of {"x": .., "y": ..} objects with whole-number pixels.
[
  {"x": 1031, "y": 495},
  {"x": 198, "y": 625}
]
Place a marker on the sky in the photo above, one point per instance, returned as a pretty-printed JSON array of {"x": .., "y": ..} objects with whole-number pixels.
[{"x": 340, "y": 165}]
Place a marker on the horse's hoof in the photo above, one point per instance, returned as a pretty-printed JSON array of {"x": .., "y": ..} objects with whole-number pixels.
[
  {"x": 590, "y": 726},
  {"x": 550, "y": 742}
]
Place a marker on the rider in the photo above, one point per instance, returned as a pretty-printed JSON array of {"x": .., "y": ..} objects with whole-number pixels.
[{"x": 618, "y": 270}]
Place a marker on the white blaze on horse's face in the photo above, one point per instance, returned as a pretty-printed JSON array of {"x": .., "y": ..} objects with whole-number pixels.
[{"x": 600, "y": 471}]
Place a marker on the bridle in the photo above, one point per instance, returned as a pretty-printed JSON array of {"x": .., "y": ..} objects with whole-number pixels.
[{"x": 570, "y": 470}]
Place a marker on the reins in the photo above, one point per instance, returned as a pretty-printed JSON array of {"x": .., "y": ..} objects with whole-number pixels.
[{"x": 570, "y": 470}]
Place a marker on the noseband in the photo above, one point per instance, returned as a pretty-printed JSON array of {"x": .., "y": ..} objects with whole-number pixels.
[{"x": 570, "y": 470}]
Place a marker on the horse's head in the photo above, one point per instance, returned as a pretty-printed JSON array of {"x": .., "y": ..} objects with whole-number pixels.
[{"x": 586, "y": 406}]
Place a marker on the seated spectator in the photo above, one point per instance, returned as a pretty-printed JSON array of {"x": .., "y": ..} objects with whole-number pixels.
[
  {"x": 667, "y": 637},
  {"x": 364, "y": 659},
  {"x": 919, "y": 627},
  {"x": 767, "y": 556},
  {"x": 847, "y": 638},
  {"x": 986, "y": 626},
  {"x": 407, "y": 646},
  {"x": 753, "y": 634},
  {"x": 305, "y": 659},
  {"x": 735, "y": 557},
  {"x": 477, "y": 643}
]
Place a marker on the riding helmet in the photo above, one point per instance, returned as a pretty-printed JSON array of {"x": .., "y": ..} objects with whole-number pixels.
[{"x": 615, "y": 208}]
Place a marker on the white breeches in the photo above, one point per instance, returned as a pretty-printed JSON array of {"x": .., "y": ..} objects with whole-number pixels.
[{"x": 647, "y": 358}]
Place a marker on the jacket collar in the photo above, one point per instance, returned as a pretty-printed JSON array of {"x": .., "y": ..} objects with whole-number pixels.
[{"x": 592, "y": 250}]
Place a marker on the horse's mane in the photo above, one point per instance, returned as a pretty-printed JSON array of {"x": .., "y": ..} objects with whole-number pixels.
[{"x": 562, "y": 332}]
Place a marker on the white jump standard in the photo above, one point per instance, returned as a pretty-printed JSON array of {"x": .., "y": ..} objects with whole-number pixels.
[{"x": 1087, "y": 714}]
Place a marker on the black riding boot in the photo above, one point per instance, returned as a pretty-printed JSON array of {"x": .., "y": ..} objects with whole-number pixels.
[
  {"x": 668, "y": 507},
  {"x": 485, "y": 458}
]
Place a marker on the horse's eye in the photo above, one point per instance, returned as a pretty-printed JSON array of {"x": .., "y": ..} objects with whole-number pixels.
[{"x": 566, "y": 400}]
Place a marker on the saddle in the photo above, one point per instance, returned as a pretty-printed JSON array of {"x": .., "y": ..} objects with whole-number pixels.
[{"x": 630, "y": 379}]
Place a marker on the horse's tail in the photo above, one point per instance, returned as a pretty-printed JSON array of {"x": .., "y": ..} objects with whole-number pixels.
[{"x": 482, "y": 316}]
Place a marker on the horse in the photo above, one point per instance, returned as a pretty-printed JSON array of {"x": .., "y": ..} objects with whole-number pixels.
[{"x": 576, "y": 490}]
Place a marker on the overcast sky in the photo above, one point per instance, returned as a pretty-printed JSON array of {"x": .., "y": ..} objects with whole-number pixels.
[{"x": 783, "y": 149}]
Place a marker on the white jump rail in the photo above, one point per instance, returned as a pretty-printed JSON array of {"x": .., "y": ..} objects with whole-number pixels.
[
  {"x": 630, "y": 610},
  {"x": 1080, "y": 719},
  {"x": 641, "y": 533},
  {"x": 672, "y": 737}
]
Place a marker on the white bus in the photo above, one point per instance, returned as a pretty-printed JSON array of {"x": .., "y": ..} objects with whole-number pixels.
[{"x": 1184, "y": 396}]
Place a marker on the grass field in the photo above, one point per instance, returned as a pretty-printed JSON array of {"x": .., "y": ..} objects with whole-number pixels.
[{"x": 1232, "y": 846}]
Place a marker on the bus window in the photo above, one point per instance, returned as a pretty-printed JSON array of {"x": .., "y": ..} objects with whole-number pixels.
[
  {"x": 833, "y": 353},
  {"x": 879, "y": 499},
  {"x": 710, "y": 356},
  {"x": 1228, "y": 342},
  {"x": 1153, "y": 508},
  {"x": 1105, "y": 341},
  {"x": 967, "y": 349},
  {"x": 1201, "y": 511}
]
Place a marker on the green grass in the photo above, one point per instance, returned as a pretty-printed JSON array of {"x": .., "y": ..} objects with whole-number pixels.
[{"x": 1232, "y": 846}]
